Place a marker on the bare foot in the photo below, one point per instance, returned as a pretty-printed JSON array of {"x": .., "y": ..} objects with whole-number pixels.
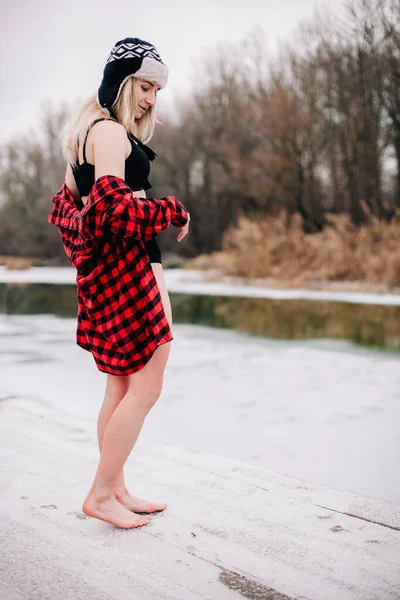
[
  {"x": 111, "y": 511},
  {"x": 136, "y": 504}
]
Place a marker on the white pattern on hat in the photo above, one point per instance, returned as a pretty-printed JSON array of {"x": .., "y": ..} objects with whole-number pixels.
[{"x": 130, "y": 50}]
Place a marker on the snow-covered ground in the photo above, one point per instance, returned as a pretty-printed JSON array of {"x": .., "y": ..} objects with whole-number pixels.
[
  {"x": 241, "y": 443},
  {"x": 320, "y": 410}
]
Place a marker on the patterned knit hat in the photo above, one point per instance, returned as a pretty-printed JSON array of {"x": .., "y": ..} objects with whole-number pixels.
[{"x": 130, "y": 57}]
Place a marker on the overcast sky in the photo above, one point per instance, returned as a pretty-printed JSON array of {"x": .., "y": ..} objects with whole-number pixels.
[{"x": 53, "y": 50}]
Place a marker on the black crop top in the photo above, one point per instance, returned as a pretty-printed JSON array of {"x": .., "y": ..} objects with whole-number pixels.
[{"x": 137, "y": 166}]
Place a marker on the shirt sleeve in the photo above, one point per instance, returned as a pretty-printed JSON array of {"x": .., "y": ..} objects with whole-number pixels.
[
  {"x": 144, "y": 218},
  {"x": 114, "y": 206}
]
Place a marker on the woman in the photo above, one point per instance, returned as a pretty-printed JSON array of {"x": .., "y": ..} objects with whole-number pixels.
[{"x": 108, "y": 229}]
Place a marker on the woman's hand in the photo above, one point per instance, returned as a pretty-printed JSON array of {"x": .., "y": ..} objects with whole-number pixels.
[{"x": 184, "y": 230}]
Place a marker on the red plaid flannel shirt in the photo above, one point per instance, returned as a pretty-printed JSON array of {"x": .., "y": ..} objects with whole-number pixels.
[{"x": 121, "y": 319}]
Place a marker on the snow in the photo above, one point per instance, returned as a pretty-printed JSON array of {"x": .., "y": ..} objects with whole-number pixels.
[
  {"x": 278, "y": 461},
  {"x": 320, "y": 410}
]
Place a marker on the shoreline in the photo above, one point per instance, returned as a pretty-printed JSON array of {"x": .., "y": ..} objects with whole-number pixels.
[{"x": 211, "y": 282}]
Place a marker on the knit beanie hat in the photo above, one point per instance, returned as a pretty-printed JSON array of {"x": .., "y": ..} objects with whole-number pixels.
[{"x": 130, "y": 57}]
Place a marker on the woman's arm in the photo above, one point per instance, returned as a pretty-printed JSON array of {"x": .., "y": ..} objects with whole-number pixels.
[
  {"x": 106, "y": 145},
  {"x": 109, "y": 143},
  {"x": 110, "y": 148},
  {"x": 128, "y": 214}
]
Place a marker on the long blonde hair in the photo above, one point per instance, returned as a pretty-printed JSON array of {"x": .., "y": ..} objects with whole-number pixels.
[{"x": 124, "y": 108}]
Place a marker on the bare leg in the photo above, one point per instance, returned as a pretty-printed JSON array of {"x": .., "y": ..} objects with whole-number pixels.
[
  {"x": 128, "y": 500},
  {"x": 119, "y": 438},
  {"x": 116, "y": 388}
]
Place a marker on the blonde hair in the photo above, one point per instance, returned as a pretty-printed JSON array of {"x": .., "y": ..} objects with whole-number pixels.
[{"x": 124, "y": 108}]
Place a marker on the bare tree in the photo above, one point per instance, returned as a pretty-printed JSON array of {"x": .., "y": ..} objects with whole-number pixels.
[
  {"x": 32, "y": 169},
  {"x": 390, "y": 17}
]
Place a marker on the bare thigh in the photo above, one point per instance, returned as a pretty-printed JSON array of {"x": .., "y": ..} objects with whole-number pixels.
[{"x": 145, "y": 385}]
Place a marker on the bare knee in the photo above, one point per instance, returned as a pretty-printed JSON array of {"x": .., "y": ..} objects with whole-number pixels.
[
  {"x": 145, "y": 386},
  {"x": 145, "y": 398},
  {"x": 116, "y": 388},
  {"x": 153, "y": 395}
]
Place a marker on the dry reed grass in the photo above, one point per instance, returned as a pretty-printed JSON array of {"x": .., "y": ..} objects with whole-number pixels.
[
  {"x": 19, "y": 262},
  {"x": 276, "y": 247}
]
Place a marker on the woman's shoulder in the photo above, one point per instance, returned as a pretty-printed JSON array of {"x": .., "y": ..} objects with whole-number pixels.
[
  {"x": 106, "y": 136},
  {"x": 108, "y": 128}
]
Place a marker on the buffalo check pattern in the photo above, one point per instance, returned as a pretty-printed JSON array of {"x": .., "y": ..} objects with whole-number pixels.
[{"x": 121, "y": 319}]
